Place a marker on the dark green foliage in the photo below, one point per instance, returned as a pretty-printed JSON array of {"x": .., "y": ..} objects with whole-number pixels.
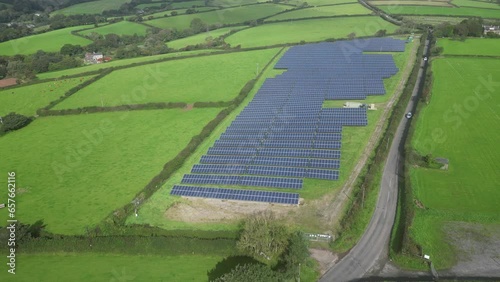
[
  {"x": 263, "y": 237},
  {"x": 227, "y": 265},
  {"x": 436, "y": 50},
  {"x": 381, "y": 33},
  {"x": 250, "y": 273},
  {"x": 295, "y": 254},
  {"x": 472, "y": 27},
  {"x": 71, "y": 50},
  {"x": 13, "y": 121}
]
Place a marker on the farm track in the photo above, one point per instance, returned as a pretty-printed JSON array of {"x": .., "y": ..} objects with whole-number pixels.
[{"x": 334, "y": 210}]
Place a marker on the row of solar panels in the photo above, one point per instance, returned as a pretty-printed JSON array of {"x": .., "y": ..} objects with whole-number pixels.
[{"x": 285, "y": 132}]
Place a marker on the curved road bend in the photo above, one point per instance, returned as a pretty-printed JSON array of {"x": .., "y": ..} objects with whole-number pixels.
[{"x": 371, "y": 252}]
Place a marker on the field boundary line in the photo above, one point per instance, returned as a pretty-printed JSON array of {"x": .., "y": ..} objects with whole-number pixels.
[{"x": 337, "y": 207}]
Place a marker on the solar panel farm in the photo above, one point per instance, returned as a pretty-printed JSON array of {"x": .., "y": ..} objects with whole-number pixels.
[{"x": 249, "y": 140}]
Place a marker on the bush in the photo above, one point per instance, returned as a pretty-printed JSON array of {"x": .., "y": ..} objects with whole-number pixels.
[{"x": 13, "y": 121}]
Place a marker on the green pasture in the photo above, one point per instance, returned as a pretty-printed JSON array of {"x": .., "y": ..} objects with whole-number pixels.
[
  {"x": 318, "y": 2},
  {"x": 476, "y": 4},
  {"x": 51, "y": 41},
  {"x": 152, "y": 212},
  {"x": 92, "y": 7},
  {"x": 201, "y": 38},
  {"x": 308, "y": 30},
  {"x": 120, "y": 28},
  {"x": 72, "y": 171},
  {"x": 179, "y": 12},
  {"x": 423, "y": 10},
  {"x": 110, "y": 267},
  {"x": 458, "y": 124},
  {"x": 471, "y": 46},
  {"x": 27, "y": 99},
  {"x": 411, "y": 3},
  {"x": 118, "y": 63},
  {"x": 224, "y": 16},
  {"x": 188, "y": 4},
  {"x": 323, "y": 11},
  {"x": 202, "y": 79},
  {"x": 232, "y": 3},
  {"x": 433, "y": 20}
]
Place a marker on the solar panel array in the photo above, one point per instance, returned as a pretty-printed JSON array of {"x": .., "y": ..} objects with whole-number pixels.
[{"x": 284, "y": 134}]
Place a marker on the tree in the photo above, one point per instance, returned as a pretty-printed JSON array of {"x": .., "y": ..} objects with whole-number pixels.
[
  {"x": 250, "y": 273},
  {"x": 381, "y": 33},
  {"x": 351, "y": 35},
  {"x": 197, "y": 25},
  {"x": 13, "y": 121},
  {"x": 173, "y": 13},
  {"x": 263, "y": 237},
  {"x": 296, "y": 253},
  {"x": 71, "y": 50}
]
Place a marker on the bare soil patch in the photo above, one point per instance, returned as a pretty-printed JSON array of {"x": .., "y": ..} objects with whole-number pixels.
[
  {"x": 189, "y": 107},
  {"x": 477, "y": 248},
  {"x": 325, "y": 258},
  {"x": 213, "y": 210}
]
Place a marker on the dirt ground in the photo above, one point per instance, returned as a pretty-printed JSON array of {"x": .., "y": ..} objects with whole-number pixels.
[
  {"x": 325, "y": 258},
  {"x": 477, "y": 247},
  {"x": 200, "y": 210}
]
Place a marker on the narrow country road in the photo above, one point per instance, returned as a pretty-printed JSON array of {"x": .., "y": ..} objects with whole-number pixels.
[{"x": 371, "y": 252}]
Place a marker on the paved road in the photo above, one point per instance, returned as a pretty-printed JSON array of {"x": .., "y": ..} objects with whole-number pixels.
[{"x": 371, "y": 252}]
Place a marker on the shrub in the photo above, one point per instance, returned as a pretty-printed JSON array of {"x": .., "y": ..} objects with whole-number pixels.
[{"x": 13, "y": 121}]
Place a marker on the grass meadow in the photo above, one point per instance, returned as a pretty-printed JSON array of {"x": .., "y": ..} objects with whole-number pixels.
[
  {"x": 202, "y": 79},
  {"x": 323, "y": 11},
  {"x": 110, "y": 267},
  {"x": 476, "y": 4},
  {"x": 92, "y": 7},
  {"x": 188, "y": 4},
  {"x": 72, "y": 171},
  {"x": 233, "y": 3},
  {"x": 152, "y": 212},
  {"x": 224, "y": 16},
  {"x": 458, "y": 124},
  {"x": 487, "y": 47},
  {"x": 51, "y": 41},
  {"x": 201, "y": 37},
  {"x": 434, "y": 20},
  {"x": 120, "y": 28},
  {"x": 179, "y": 12},
  {"x": 426, "y": 10},
  {"x": 411, "y": 3},
  {"x": 308, "y": 30},
  {"x": 27, "y": 99},
  {"x": 318, "y": 2},
  {"x": 118, "y": 63}
]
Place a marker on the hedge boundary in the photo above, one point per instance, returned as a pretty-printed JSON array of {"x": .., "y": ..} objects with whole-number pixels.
[
  {"x": 376, "y": 162},
  {"x": 119, "y": 216}
]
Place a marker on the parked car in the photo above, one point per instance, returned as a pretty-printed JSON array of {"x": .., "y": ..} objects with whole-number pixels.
[{"x": 409, "y": 115}]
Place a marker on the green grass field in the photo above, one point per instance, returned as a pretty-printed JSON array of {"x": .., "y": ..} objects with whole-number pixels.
[
  {"x": 225, "y": 16},
  {"x": 434, "y": 20},
  {"x": 308, "y": 30},
  {"x": 318, "y": 2},
  {"x": 72, "y": 171},
  {"x": 211, "y": 78},
  {"x": 487, "y": 47},
  {"x": 93, "y": 7},
  {"x": 179, "y": 12},
  {"x": 51, "y": 41},
  {"x": 117, "y": 63},
  {"x": 109, "y": 267},
  {"x": 188, "y": 4},
  {"x": 152, "y": 212},
  {"x": 458, "y": 125},
  {"x": 406, "y": 2},
  {"x": 323, "y": 11},
  {"x": 478, "y": 4},
  {"x": 233, "y": 3},
  {"x": 26, "y": 100},
  {"x": 120, "y": 28},
  {"x": 201, "y": 37},
  {"x": 422, "y": 10}
]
